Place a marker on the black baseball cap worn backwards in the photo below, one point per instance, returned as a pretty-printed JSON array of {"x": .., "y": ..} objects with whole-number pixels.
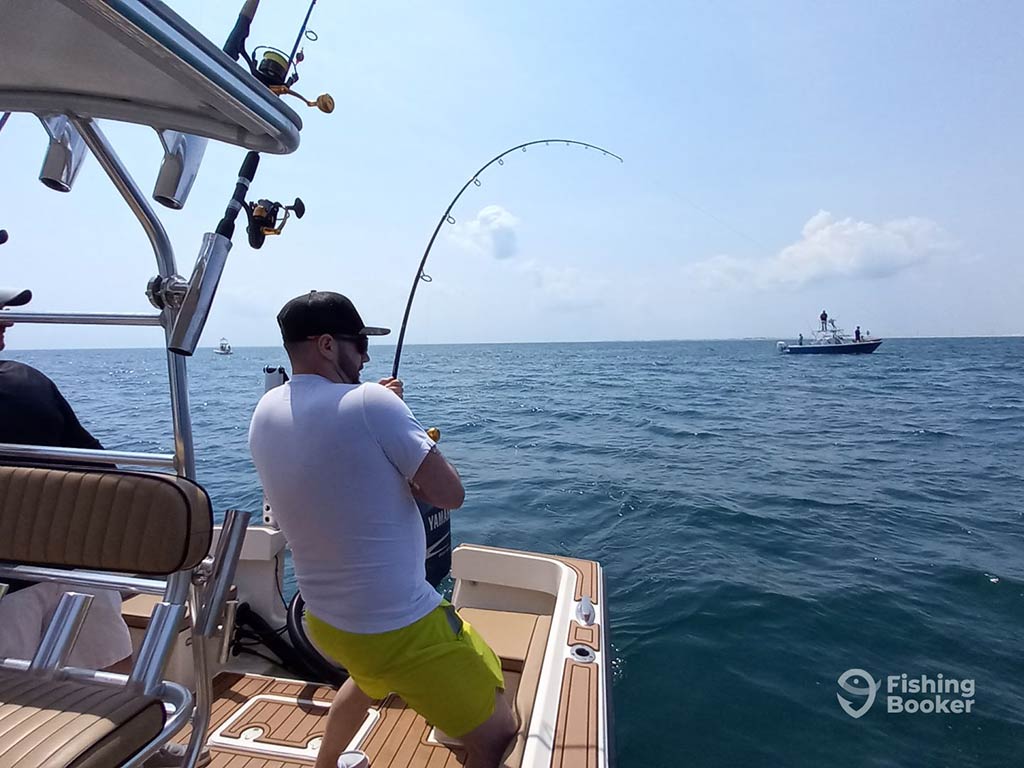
[{"x": 319, "y": 312}]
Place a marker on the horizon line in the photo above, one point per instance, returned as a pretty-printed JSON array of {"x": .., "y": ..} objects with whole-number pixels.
[{"x": 524, "y": 343}]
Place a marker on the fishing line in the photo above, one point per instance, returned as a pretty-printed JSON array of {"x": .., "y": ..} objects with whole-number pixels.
[{"x": 474, "y": 180}]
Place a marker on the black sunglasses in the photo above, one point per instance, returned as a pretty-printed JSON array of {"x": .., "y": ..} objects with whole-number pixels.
[{"x": 362, "y": 342}]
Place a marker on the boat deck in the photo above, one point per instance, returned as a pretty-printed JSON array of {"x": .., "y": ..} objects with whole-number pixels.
[
  {"x": 269, "y": 722},
  {"x": 265, "y": 722}
]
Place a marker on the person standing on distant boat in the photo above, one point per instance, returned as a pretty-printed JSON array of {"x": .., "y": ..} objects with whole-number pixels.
[
  {"x": 34, "y": 412},
  {"x": 342, "y": 464},
  {"x": 801, "y": 339},
  {"x": 824, "y": 320},
  {"x": 856, "y": 334}
]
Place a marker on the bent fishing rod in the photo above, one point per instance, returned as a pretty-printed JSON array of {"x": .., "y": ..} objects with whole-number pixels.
[{"x": 447, "y": 217}]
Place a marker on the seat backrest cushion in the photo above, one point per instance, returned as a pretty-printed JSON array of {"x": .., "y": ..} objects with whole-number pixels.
[{"x": 105, "y": 520}]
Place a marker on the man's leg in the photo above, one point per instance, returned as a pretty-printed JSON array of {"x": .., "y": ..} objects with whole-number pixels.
[
  {"x": 487, "y": 744},
  {"x": 348, "y": 710}
]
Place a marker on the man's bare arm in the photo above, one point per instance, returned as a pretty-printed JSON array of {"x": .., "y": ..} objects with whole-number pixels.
[{"x": 436, "y": 482}]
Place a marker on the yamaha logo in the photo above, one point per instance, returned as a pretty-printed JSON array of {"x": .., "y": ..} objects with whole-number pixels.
[{"x": 436, "y": 519}]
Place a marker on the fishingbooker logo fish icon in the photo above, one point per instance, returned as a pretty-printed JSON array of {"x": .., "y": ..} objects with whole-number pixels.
[{"x": 850, "y": 681}]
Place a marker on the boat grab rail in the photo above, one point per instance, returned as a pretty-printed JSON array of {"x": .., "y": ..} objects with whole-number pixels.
[
  {"x": 36, "y": 453},
  {"x": 122, "y": 179},
  {"x": 135, "y": 585},
  {"x": 84, "y": 318}
]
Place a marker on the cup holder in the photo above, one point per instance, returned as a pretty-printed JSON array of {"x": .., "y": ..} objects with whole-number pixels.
[{"x": 582, "y": 653}]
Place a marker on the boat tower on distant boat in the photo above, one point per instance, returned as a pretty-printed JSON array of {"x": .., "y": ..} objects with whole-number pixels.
[{"x": 831, "y": 340}]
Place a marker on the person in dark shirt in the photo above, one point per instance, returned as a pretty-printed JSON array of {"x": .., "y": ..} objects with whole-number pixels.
[
  {"x": 34, "y": 412},
  {"x": 32, "y": 409}
]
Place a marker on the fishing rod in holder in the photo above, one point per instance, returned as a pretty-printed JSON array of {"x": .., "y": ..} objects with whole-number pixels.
[
  {"x": 271, "y": 66},
  {"x": 447, "y": 217},
  {"x": 193, "y": 299},
  {"x": 190, "y": 300}
]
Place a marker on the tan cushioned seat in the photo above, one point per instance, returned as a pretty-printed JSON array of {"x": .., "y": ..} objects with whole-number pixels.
[
  {"x": 138, "y": 609},
  {"x": 508, "y": 633},
  {"x": 67, "y": 724},
  {"x": 129, "y": 522}
]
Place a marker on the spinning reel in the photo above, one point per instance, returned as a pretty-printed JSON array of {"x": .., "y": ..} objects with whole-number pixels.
[
  {"x": 266, "y": 218},
  {"x": 272, "y": 66},
  {"x": 272, "y": 71}
]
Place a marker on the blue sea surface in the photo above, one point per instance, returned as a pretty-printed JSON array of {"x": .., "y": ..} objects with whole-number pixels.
[{"x": 766, "y": 522}]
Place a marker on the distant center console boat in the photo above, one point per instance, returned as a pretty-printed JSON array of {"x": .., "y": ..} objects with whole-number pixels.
[{"x": 833, "y": 341}]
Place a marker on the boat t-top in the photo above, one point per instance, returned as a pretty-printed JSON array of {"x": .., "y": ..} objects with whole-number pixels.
[
  {"x": 831, "y": 340},
  {"x": 214, "y": 671}
]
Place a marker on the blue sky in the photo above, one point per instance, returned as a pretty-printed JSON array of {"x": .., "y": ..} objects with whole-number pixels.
[{"x": 779, "y": 158}]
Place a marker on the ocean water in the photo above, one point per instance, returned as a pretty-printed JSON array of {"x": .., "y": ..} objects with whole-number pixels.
[{"x": 766, "y": 522}]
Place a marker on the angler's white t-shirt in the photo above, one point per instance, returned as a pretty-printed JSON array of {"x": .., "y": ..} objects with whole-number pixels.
[{"x": 335, "y": 461}]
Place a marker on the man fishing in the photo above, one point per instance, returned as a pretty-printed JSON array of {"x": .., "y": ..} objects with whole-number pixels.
[{"x": 342, "y": 464}]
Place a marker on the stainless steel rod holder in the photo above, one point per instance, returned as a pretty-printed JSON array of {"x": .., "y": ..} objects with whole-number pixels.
[
  {"x": 61, "y": 633},
  {"x": 229, "y": 547}
]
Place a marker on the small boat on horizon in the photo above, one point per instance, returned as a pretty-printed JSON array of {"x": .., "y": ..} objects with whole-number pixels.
[
  {"x": 223, "y": 348},
  {"x": 831, "y": 341}
]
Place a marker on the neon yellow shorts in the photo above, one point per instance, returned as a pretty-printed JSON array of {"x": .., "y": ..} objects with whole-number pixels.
[{"x": 439, "y": 665}]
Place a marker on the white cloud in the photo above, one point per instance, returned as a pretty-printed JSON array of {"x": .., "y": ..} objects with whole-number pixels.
[
  {"x": 566, "y": 288},
  {"x": 491, "y": 232},
  {"x": 721, "y": 272},
  {"x": 831, "y": 248}
]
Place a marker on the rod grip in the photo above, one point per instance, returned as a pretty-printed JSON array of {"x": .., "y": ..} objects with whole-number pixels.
[
  {"x": 235, "y": 44},
  {"x": 249, "y": 165},
  {"x": 249, "y": 9},
  {"x": 226, "y": 227}
]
